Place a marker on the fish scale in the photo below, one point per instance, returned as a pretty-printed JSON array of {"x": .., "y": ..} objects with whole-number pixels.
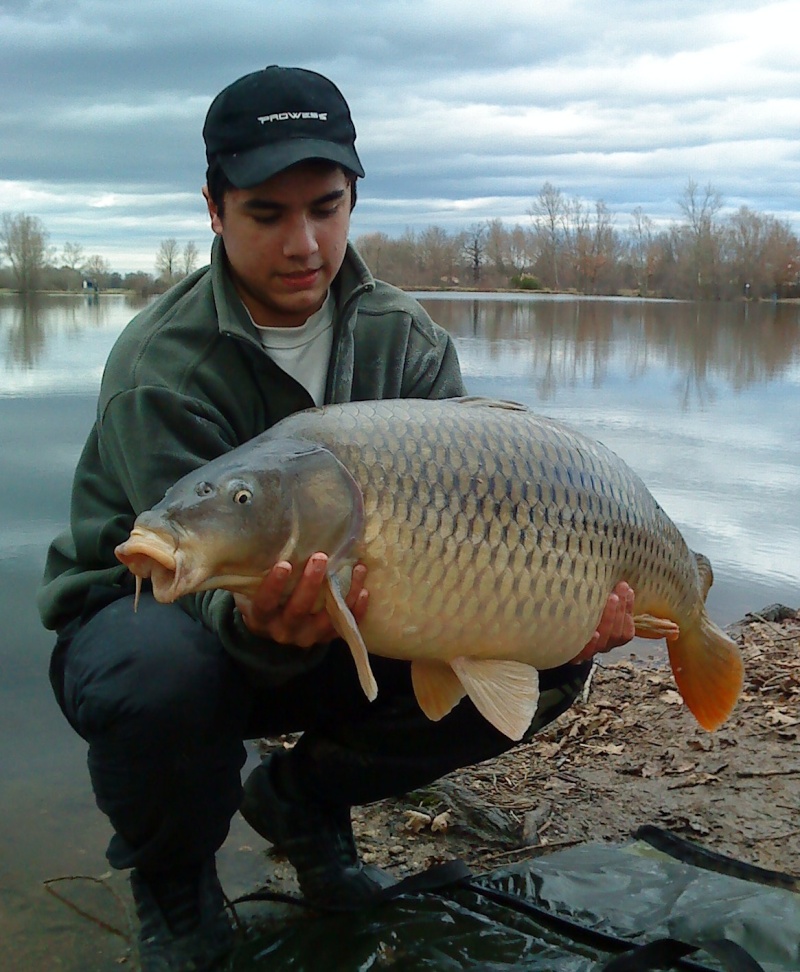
[{"x": 492, "y": 538}]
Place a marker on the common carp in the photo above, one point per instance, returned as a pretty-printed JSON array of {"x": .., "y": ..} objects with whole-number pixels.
[{"x": 492, "y": 537}]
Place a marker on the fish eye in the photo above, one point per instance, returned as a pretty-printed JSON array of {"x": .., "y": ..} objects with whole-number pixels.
[
  {"x": 242, "y": 496},
  {"x": 203, "y": 489}
]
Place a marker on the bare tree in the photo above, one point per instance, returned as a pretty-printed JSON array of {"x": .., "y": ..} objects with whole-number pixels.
[
  {"x": 72, "y": 257},
  {"x": 190, "y": 255},
  {"x": 374, "y": 248},
  {"x": 509, "y": 252},
  {"x": 781, "y": 256},
  {"x": 23, "y": 242},
  {"x": 548, "y": 212},
  {"x": 640, "y": 249},
  {"x": 97, "y": 268},
  {"x": 475, "y": 249},
  {"x": 700, "y": 207},
  {"x": 167, "y": 260},
  {"x": 437, "y": 255}
]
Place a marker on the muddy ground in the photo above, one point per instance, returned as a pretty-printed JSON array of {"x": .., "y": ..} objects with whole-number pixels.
[{"x": 629, "y": 753}]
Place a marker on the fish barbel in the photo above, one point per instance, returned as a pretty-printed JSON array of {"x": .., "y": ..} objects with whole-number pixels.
[{"x": 492, "y": 538}]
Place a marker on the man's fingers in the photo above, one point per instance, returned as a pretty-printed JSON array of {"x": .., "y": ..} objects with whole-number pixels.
[
  {"x": 357, "y": 579},
  {"x": 300, "y": 619},
  {"x": 269, "y": 595},
  {"x": 617, "y": 626},
  {"x": 303, "y": 598}
]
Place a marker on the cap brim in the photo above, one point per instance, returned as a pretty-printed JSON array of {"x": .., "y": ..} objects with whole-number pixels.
[{"x": 250, "y": 168}]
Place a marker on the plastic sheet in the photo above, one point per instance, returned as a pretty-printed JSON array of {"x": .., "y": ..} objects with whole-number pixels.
[{"x": 508, "y": 920}]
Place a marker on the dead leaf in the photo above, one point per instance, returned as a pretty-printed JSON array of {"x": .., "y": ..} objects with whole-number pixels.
[
  {"x": 441, "y": 822},
  {"x": 417, "y": 821},
  {"x": 548, "y": 749}
]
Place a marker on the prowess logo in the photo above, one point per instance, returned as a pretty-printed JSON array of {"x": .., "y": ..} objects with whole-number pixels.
[{"x": 279, "y": 116}]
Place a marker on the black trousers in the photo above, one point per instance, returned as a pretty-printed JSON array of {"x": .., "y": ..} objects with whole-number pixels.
[{"x": 165, "y": 711}]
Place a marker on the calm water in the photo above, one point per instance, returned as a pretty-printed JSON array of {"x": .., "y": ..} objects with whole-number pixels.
[{"x": 703, "y": 401}]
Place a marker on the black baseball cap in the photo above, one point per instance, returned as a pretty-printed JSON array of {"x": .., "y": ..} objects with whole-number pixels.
[{"x": 271, "y": 119}]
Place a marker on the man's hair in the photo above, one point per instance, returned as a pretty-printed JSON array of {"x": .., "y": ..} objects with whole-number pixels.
[{"x": 219, "y": 184}]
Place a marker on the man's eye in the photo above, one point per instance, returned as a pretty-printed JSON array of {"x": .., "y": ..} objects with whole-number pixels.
[{"x": 326, "y": 212}]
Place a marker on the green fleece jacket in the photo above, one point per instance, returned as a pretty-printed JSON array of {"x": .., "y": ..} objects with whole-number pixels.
[{"x": 187, "y": 381}]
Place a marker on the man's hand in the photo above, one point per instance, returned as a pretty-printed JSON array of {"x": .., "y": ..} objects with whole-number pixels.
[
  {"x": 295, "y": 622},
  {"x": 616, "y": 626}
]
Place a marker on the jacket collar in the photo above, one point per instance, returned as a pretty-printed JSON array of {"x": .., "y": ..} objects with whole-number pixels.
[{"x": 353, "y": 280}]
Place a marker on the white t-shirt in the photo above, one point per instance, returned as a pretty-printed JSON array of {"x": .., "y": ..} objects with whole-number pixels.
[{"x": 303, "y": 352}]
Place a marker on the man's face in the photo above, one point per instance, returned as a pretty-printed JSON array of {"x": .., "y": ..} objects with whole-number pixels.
[{"x": 285, "y": 240}]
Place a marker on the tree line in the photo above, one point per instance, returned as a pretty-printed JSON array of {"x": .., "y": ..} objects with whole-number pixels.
[
  {"x": 567, "y": 245},
  {"x": 573, "y": 246},
  {"x": 28, "y": 262}
]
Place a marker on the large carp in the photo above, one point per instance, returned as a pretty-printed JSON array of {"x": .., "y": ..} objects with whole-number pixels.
[{"x": 492, "y": 538}]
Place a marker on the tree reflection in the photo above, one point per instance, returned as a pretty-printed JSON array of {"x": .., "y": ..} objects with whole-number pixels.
[
  {"x": 26, "y": 332},
  {"x": 29, "y": 321},
  {"x": 557, "y": 342}
]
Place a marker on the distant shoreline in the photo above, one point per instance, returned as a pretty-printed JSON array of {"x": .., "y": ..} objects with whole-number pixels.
[{"x": 121, "y": 292}]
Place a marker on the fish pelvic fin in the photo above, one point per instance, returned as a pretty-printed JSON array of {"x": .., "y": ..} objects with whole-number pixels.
[
  {"x": 436, "y": 687},
  {"x": 505, "y": 693},
  {"x": 649, "y": 626},
  {"x": 345, "y": 624},
  {"x": 708, "y": 670}
]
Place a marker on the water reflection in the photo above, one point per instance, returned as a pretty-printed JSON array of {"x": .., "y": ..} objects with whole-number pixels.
[
  {"x": 30, "y": 323},
  {"x": 558, "y": 343}
]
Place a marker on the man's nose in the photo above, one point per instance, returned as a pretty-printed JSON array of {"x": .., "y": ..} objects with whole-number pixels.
[{"x": 301, "y": 238}]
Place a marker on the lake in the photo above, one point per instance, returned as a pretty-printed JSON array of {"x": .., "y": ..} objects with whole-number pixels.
[{"x": 702, "y": 400}]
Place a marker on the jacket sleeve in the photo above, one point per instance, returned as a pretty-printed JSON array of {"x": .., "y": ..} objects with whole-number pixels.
[{"x": 435, "y": 372}]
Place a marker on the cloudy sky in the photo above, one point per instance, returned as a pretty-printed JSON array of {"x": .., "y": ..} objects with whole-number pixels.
[{"x": 464, "y": 109}]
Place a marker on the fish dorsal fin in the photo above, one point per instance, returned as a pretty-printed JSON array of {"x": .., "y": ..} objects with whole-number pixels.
[
  {"x": 705, "y": 572},
  {"x": 504, "y": 692},
  {"x": 491, "y": 403},
  {"x": 436, "y": 687},
  {"x": 345, "y": 624}
]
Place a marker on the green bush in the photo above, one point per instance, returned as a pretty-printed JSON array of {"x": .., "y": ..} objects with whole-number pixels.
[{"x": 526, "y": 281}]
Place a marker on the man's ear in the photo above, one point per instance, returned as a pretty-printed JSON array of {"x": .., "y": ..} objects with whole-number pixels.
[{"x": 213, "y": 212}]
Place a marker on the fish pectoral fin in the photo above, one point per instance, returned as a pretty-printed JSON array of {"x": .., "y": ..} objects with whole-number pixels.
[
  {"x": 505, "y": 693},
  {"x": 648, "y": 626},
  {"x": 345, "y": 624},
  {"x": 436, "y": 687},
  {"x": 708, "y": 669}
]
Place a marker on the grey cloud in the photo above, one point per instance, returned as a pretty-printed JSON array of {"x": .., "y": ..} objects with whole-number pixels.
[{"x": 454, "y": 101}]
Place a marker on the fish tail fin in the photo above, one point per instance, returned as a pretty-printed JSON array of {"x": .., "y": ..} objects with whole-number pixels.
[{"x": 709, "y": 672}]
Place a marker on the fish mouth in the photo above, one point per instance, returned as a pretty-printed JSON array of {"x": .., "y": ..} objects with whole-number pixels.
[
  {"x": 174, "y": 570},
  {"x": 154, "y": 556}
]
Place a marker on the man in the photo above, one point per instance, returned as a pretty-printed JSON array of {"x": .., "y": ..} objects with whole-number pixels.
[{"x": 286, "y": 316}]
